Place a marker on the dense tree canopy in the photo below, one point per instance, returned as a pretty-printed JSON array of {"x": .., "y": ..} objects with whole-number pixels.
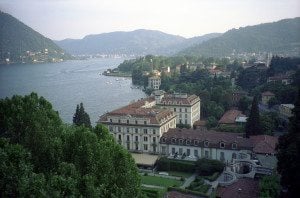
[
  {"x": 289, "y": 154},
  {"x": 39, "y": 156},
  {"x": 81, "y": 117},
  {"x": 253, "y": 123}
]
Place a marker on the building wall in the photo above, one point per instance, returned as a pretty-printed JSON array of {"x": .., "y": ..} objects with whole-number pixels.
[
  {"x": 154, "y": 82},
  {"x": 138, "y": 136},
  {"x": 185, "y": 114},
  {"x": 203, "y": 152},
  {"x": 285, "y": 111},
  {"x": 265, "y": 99}
]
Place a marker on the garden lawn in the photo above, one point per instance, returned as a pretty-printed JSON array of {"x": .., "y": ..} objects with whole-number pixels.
[
  {"x": 180, "y": 174},
  {"x": 159, "y": 181}
]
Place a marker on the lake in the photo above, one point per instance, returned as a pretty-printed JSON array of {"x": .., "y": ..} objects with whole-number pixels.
[{"x": 66, "y": 84}]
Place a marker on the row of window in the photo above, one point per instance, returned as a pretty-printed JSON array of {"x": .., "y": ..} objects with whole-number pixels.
[
  {"x": 197, "y": 142},
  {"x": 188, "y": 153},
  {"x": 180, "y": 115},
  {"x": 136, "y": 130},
  {"x": 128, "y": 121},
  {"x": 137, "y": 138},
  {"x": 180, "y": 110}
]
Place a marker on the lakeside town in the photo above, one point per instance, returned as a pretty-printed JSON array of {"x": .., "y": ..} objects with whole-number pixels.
[
  {"x": 166, "y": 128},
  {"x": 160, "y": 99}
]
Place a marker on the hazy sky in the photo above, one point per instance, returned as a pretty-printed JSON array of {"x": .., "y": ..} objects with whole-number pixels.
[{"x": 60, "y": 19}]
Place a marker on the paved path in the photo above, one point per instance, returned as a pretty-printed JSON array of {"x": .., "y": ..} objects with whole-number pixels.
[
  {"x": 163, "y": 176},
  {"x": 188, "y": 181},
  {"x": 152, "y": 186}
]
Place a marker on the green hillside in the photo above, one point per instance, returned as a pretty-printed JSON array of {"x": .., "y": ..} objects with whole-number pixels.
[
  {"x": 20, "y": 43},
  {"x": 282, "y": 37}
]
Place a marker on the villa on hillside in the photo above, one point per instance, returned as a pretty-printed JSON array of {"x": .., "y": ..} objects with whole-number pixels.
[
  {"x": 186, "y": 107},
  {"x": 139, "y": 126},
  {"x": 266, "y": 96}
]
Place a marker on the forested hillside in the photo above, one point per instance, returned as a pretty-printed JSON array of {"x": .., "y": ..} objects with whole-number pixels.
[
  {"x": 18, "y": 42},
  {"x": 280, "y": 37}
]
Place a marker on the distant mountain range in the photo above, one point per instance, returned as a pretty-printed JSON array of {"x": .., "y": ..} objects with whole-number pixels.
[
  {"x": 282, "y": 37},
  {"x": 18, "y": 42},
  {"x": 137, "y": 42}
]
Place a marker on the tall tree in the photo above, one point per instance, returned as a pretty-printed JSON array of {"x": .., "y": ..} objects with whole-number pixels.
[
  {"x": 289, "y": 154},
  {"x": 81, "y": 117},
  {"x": 253, "y": 125}
]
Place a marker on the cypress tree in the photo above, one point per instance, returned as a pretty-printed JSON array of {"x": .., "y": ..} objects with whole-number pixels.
[
  {"x": 253, "y": 126},
  {"x": 288, "y": 155},
  {"x": 81, "y": 117}
]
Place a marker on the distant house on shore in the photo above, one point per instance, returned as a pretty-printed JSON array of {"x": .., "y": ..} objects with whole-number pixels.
[
  {"x": 266, "y": 96},
  {"x": 286, "y": 110},
  {"x": 284, "y": 79}
]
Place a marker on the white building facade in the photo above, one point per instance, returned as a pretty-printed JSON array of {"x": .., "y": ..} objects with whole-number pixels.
[
  {"x": 138, "y": 126},
  {"x": 154, "y": 82},
  {"x": 194, "y": 144},
  {"x": 186, "y": 107}
]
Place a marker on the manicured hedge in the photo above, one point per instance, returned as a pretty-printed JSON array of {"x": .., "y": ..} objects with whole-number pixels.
[
  {"x": 212, "y": 177},
  {"x": 150, "y": 193},
  {"x": 207, "y": 167},
  {"x": 165, "y": 164},
  {"x": 187, "y": 191}
]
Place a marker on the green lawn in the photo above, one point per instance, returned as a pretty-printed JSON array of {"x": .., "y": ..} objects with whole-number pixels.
[
  {"x": 159, "y": 181},
  {"x": 179, "y": 174}
]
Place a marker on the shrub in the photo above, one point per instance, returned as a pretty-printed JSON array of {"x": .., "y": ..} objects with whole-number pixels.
[
  {"x": 212, "y": 177},
  {"x": 191, "y": 192},
  {"x": 207, "y": 167},
  {"x": 165, "y": 164}
]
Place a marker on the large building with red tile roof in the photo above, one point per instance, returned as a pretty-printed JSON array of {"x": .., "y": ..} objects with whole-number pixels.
[
  {"x": 223, "y": 146},
  {"x": 139, "y": 126},
  {"x": 187, "y": 107},
  {"x": 197, "y": 143}
]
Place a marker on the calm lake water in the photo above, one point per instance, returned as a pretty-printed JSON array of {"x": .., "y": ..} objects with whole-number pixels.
[{"x": 68, "y": 83}]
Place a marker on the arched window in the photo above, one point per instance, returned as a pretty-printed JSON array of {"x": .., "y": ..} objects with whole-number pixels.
[
  {"x": 234, "y": 145},
  {"x": 222, "y": 145},
  {"x": 173, "y": 140},
  {"x": 180, "y": 141},
  {"x": 188, "y": 142},
  {"x": 206, "y": 143}
]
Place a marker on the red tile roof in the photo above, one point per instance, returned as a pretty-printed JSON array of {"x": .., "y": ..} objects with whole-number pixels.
[
  {"x": 264, "y": 144},
  {"x": 230, "y": 116},
  {"x": 177, "y": 100},
  {"x": 136, "y": 109},
  {"x": 175, "y": 194},
  {"x": 214, "y": 138},
  {"x": 267, "y": 93},
  {"x": 243, "y": 188}
]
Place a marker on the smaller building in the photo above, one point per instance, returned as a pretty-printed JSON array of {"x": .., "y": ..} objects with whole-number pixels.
[
  {"x": 266, "y": 96},
  {"x": 236, "y": 96},
  {"x": 154, "y": 82},
  {"x": 284, "y": 79},
  {"x": 286, "y": 110},
  {"x": 232, "y": 118}
]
